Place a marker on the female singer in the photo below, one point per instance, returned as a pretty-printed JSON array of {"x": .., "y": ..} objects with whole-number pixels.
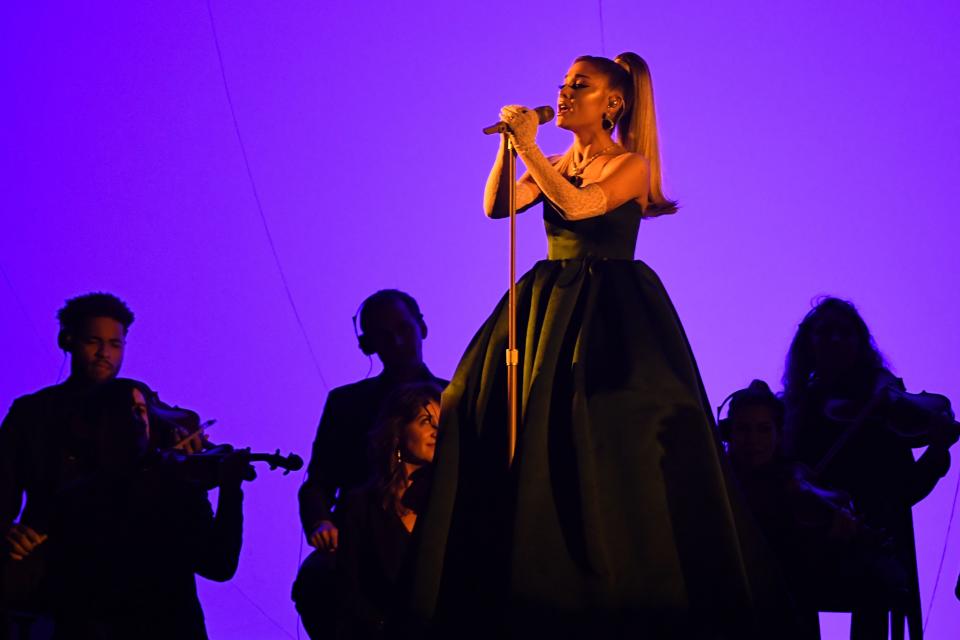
[{"x": 616, "y": 516}]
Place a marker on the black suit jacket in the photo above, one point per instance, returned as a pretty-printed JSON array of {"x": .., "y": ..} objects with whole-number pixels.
[{"x": 339, "y": 457}]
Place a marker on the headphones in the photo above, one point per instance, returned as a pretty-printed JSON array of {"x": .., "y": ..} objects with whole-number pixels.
[
  {"x": 365, "y": 342},
  {"x": 758, "y": 391},
  {"x": 724, "y": 424},
  {"x": 65, "y": 339}
]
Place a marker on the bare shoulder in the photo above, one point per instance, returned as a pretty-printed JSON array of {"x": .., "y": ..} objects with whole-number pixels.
[{"x": 628, "y": 164}]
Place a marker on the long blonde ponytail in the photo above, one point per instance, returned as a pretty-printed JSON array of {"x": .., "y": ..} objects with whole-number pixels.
[
  {"x": 637, "y": 128},
  {"x": 637, "y": 120}
]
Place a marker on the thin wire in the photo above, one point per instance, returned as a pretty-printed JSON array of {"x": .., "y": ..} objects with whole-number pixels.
[
  {"x": 283, "y": 279},
  {"x": 63, "y": 363},
  {"x": 302, "y": 535},
  {"x": 943, "y": 555},
  {"x": 299, "y": 560},
  {"x": 603, "y": 41},
  {"x": 264, "y": 613},
  {"x": 256, "y": 198}
]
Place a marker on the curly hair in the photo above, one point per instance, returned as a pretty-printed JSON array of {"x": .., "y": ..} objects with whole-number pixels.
[
  {"x": 93, "y": 305},
  {"x": 400, "y": 409},
  {"x": 800, "y": 364}
]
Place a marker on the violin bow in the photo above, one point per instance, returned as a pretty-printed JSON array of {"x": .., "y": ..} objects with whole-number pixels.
[{"x": 195, "y": 437}]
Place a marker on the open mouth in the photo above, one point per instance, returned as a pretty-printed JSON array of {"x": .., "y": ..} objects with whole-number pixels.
[{"x": 564, "y": 107}]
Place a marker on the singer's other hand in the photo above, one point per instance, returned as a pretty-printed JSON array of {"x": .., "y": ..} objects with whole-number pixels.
[{"x": 523, "y": 123}]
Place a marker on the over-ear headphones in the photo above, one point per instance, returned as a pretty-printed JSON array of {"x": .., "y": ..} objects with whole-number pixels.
[
  {"x": 365, "y": 343},
  {"x": 758, "y": 391},
  {"x": 724, "y": 424},
  {"x": 65, "y": 340}
]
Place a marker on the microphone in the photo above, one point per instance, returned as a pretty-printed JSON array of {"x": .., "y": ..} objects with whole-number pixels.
[{"x": 544, "y": 114}]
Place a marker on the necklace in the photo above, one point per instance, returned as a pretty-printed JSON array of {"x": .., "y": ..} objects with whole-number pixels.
[{"x": 576, "y": 171}]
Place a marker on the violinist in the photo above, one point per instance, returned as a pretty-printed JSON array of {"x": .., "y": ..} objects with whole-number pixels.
[
  {"x": 127, "y": 537},
  {"x": 839, "y": 410}
]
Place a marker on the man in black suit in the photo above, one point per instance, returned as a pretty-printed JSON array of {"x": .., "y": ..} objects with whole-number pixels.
[
  {"x": 390, "y": 325},
  {"x": 41, "y": 446},
  {"x": 37, "y": 448}
]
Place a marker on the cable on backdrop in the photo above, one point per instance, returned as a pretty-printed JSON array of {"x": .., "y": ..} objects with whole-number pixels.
[
  {"x": 283, "y": 280},
  {"x": 943, "y": 555},
  {"x": 256, "y": 198},
  {"x": 313, "y": 356},
  {"x": 603, "y": 42}
]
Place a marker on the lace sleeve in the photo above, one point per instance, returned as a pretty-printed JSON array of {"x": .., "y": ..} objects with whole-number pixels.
[{"x": 574, "y": 203}]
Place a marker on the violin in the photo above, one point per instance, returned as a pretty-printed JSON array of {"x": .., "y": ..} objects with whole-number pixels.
[
  {"x": 176, "y": 427},
  {"x": 180, "y": 438},
  {"x": 918, "y": 418},
  {"x": 204, "y": 467}
]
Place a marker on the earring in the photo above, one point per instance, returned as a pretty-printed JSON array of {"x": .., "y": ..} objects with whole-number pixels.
[
  {"x": 607, "y": 123},
  {"x": 399, "y": 457}
]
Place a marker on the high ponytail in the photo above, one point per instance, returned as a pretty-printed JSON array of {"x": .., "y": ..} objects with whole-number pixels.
[
  {"x": 637, "y": 119},
  {"x": 637, "y": 127}
]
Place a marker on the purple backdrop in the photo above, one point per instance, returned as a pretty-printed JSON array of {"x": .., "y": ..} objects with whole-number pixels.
[{"x": 813, "y": 148}]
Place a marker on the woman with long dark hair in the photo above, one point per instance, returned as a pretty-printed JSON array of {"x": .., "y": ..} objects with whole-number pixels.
[
  {"x": 838, "y": 389},
  {"x": 130, "y": 534},
  {"x": 376, "y": 519},
  {"x": 616, "y": 516}
]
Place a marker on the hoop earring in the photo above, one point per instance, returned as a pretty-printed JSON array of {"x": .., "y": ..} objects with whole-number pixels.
[{"x": 607, "y": 123}]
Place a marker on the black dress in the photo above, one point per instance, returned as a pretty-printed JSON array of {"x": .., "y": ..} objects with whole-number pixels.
[
  {"x": 372, "y": 545},
  {"x": 124, "y": 551},
  {"x": 618, "y": 515},
  {"x": 877, "y": 468}
]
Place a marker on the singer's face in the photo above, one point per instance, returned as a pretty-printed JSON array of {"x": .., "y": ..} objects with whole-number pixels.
[{"x": 584, "y": 96}]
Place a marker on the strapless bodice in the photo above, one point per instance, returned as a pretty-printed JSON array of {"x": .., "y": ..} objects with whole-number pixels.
[{"x": 612, "y": 235}]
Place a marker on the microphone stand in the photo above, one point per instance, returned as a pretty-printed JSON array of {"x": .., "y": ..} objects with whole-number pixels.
[{"x": 513, "y": 355}]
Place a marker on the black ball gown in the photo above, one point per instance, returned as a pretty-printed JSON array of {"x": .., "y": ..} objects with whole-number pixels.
[{"x": 618, "y": 516}]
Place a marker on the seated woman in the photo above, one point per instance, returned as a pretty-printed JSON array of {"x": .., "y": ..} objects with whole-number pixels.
[
  {"x": 377, "y": 519},
  {"x": 128, "y": 537},
  {"x": 831, "y": 558},
  {"x": 807, "y": 527},
  {"x": 781, "y": 493}
]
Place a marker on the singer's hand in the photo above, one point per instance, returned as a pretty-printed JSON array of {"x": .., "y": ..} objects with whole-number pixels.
[{"x": 523, "y": 123}]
